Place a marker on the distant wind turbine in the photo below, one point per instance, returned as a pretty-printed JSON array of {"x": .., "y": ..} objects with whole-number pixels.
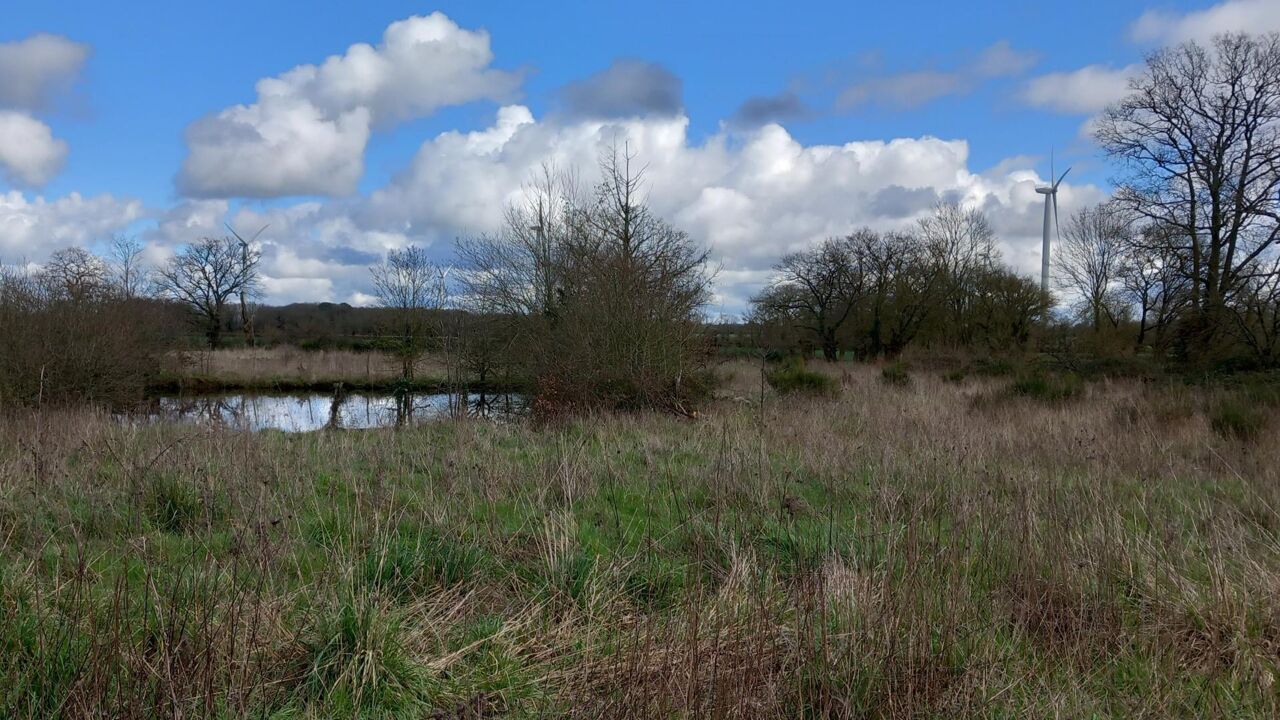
[
  {"x": 1050, "y": 199},
  {"x": 246, "y": 322}
]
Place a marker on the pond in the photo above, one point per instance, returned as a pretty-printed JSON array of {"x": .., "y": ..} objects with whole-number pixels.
[{"x": 310, "y": 411}]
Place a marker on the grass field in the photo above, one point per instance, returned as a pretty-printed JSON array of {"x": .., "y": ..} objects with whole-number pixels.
[{"x": 918, "y": 548}]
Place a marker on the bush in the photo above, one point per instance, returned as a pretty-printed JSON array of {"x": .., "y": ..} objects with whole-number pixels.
[
  {"x": 1055, "y": 387},
  {"x": 1234, "y": 417},
  {"x": 896, "y": 374},
  {"x": 793, "y": 377},
  {"x": 59, "y": 349}
]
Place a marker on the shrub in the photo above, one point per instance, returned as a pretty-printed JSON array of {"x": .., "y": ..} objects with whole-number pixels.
[
  {"x": 896, "y": 374},
  {"x": 59, "y": 349},
  {"x": 793, "y": 377},
  {"x": 1236, "y": 418},
  {"x": 1051, "y": 387}
]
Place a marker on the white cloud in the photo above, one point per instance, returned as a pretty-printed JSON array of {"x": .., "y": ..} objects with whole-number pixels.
[
  {"x": 29, "y": 153},
  {"x": 307, "y": 131},
  {"x": 34, "y": 70},
  {"x": 1249, "y": 16},
  {"x": 751, "y": 197},
  {"x": 32, "y": 228},
  {"x": 1084, "y": 91}
]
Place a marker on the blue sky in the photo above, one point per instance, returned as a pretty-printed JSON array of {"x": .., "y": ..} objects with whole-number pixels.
[{"x": 833, "y": 73}]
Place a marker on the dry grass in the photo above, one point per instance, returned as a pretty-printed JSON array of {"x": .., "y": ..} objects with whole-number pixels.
[
  {"x": 929, "y": 550},
  {"x": 264, "y": 367}
]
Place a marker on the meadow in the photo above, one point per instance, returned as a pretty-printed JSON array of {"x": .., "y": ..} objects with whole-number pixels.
[{"x": 903, "y": 545}]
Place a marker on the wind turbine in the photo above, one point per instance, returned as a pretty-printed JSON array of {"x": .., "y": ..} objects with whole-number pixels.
[
  {"x": 1050, "y": 199},
  {"x": 246, "y": 322}
]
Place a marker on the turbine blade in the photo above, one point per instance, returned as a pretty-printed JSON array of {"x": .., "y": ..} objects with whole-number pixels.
[
  {"x": 1057, "y": 231},
  {"x": 1064, "y": 174},
  {"x": 233, "y": 232}
]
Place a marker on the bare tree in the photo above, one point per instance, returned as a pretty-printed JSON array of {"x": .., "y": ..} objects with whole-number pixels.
[
  {"x": 817, "y": 290},
  {"x": 961, "y": 243},
  {"x": 75, "y": 274},
  {"x": 129, "y": 274},
  {"x": 903, "y": 281},
  {"x": 1199, "y": 140},
  {"x": 1089, "y": 262},
  {"x": 601, "y": 296},
  {"x": 1154, "y": 282},
  {"x": 1256, "y": 313},
  {"x": 205, "y": 275},
  {"x": 519, "y": 270},
  {"x": 408, "y": 284}
]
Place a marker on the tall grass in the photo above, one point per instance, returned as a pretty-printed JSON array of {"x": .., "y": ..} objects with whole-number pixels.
[{"x": 884, "y": 551}]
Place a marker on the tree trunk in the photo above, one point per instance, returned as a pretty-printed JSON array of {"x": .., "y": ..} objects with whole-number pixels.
[{"x": 830, "y": 350}]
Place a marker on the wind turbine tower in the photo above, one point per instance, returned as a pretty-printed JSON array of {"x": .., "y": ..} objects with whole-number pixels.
[{"x": 1050, "y": 204}]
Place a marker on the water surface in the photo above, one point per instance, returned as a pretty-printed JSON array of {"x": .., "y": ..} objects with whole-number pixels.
[{"x": 310, "y": 411}]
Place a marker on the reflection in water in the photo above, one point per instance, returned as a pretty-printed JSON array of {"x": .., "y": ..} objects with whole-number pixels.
[{"x": 341, "y": 410}]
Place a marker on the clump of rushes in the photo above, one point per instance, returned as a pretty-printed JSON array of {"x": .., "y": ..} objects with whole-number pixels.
[
  {"x": 356, "y": 663},
  {"x": 1238, "y": 418},
  {"x": 792, "y": 376},
  {"x": 1049, "y": 387},
  {"x": 896, "y": 374}
]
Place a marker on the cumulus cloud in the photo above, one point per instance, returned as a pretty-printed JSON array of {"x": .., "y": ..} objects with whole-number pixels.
[
  {"x": 1084, "y": 91},
  {"x": 35, "y": 70},
  {"x": 31, "y": 228},
  {"x": 1163, "y": 26},
  {"x": 750, "y": 195},
  {"x": 306, "y": 133},
  {"x": 914, "y": 88},
  {"x": 627, "y": 88},
  {"x": 29, "y": 153},
  {"x": 764, "y": 109}
]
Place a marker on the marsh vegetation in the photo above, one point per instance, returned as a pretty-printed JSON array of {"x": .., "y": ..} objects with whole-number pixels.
[{"x": 884, "y": 550}]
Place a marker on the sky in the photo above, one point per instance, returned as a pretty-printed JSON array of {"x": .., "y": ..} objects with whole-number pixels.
[{"x": 349, "y": 129}]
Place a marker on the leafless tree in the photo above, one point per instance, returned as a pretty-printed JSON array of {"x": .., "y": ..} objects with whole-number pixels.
[
  {"x": 1256, "y": 313},
  {"x": 1090, "y": 260},
  {"x": 408, "y": 284},
  {"x": 75, "y": 274},
  {"x": 1198, "y": 137},
  {"x": 129, "y": 274},
  {"x": 817, "y": 290},
  {"x": 904, "y": 285},
  {"x": 519, "y": 270},
  {"x": 1154, "y": 282},
  {"x": 603, "y": 294},
  {"x": 961, "y": 243},
  {"x": 205, "y": 275}
]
